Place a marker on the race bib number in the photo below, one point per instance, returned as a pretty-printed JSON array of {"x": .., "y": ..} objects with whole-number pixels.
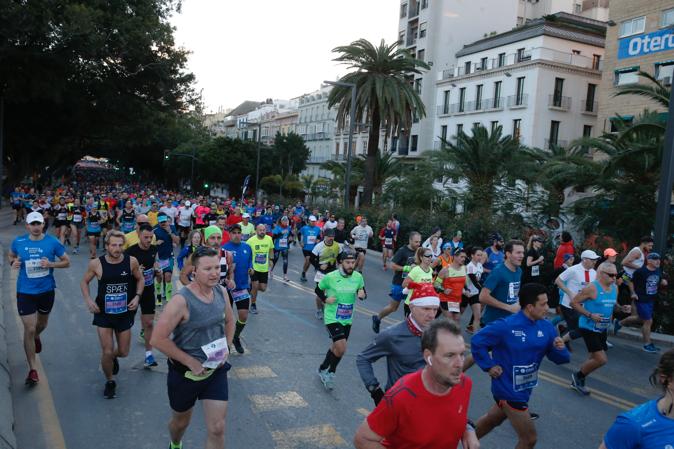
[
  {"x": 535, "y": 270},
  {"x": 344, "y": 311},
  {"x": 61, "y": 216},
  {"x": 240, "y": 295},
  {"x": 652, "y": 285},
  {"x": 35, "y": 270},
  {"x": 311, "y": 239},
  {"x": 319, "y": 276},
  {"x": 283, "y": 243},
  {"x": 513, "y": 292},
  {"x": 603, "y": 324},
  {"x": 260, "y": 259},
  {"x": 148, "y": 276},
  {"x": 525, "y": 377},
  {"x": 216, "y": 353},
  {"x": 164, "y": 263},
  {"x": 77, "y": 218},
  {"x": 127, "y": 227},
  {"x": 115, "y": 303},
  {"x": 212, "y": 222},
  {"x": 95, "y": 227},
  {"x": 388, "y": 241}
]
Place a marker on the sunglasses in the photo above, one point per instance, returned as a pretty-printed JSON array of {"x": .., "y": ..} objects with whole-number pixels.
[
  {"x": 428, "y": 255},
  {"x": 35, "y": 223},
  {"x": 611, "y": 275}
]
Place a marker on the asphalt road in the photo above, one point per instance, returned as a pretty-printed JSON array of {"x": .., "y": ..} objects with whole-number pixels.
[{"x": 276, "y": 399}]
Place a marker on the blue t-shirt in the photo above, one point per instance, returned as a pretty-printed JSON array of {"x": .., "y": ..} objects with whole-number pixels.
[
  {"x": 17, "y": 198},
  {"x": 310, "y": 236},
  {"x": 646, "y": 283},
  {"x": 280, "y": 236},
  {"x": 33, "y": 279},
  {"x": 504, "y": 286},
  {"x": 243, "y": 260},
  {"x": 165, "y": 249},
  {"x": 643, "y": 427},
  {"x": 267, "y": 221},
  {"x": 493, "y": 258}
]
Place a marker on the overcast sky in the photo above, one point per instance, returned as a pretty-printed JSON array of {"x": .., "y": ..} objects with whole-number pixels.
[{"x": 258, "y": 49}]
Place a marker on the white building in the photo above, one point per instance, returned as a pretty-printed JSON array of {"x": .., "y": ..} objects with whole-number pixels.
[
  {"x": 316, "y": 124},
  {"x": 539, "y": 82},
  {"x": 435, "y": 30}
]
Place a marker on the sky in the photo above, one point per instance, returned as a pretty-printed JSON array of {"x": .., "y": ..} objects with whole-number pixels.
[{"x": 280, "y": 49}]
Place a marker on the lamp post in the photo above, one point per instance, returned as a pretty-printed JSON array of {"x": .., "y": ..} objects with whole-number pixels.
[
  {"x": 352, "y": 126},
  {"x": 191, "y": 156},
  {"x": 257, "y": 165},
  {"x": 663, "y": 213}
]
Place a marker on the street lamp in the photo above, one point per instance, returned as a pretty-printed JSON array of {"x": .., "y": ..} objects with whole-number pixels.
[
  {"x": 257, "y": 167},
  {"x": 662, "y": 213},
  {"x": 352, "y": 126},
  {"x": 191, "y": 156}
]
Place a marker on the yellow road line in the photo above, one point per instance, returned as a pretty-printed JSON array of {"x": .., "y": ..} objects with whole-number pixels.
[
  {"x": 45, "y": 400},
  {"x": 363, "y": 411},
  {"x": 323, "y": 436},
  {"x": 276, "y": 401},
  {"x": 254, "y": 372}
]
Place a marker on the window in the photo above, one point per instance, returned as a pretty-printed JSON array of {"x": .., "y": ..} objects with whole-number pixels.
[
  {"x": 478, "y": 97},
  {"x": 401, "y": 37},
  {"x": 501, "y": 59},
  {"x": 667, "y": 18},
  {"x": 497, "y": 94},
  {"x": 477, "y": 124},
  {"x": 620, "y": 122},
  {"x": 557, "y": 96},
  {"x": 577, "y": 8},
  {"x": 494, "y": 125},
  {"x": 626, "y": 76},
  {"x": 421, "y": 55},
  {"x": 517, "y": 128},
  {"x": 589, "y": 97},
  {"x": 587, "y": 130},
  {"x": 417, "y": 85},
  {"x": 415, "y": 141},
  {"x": 403, "y": 10},
  {"x": 632, "y": 26},
  {"x": 596, "y": 62},
  {"x": 337, "y": 149},
  {"x": 520, "y": 54},
  {"x": 422, "y": 30},
  {"x": 554, "y": 132},
  {"x": 424, "y": 4},
  {"x": 519, "y": 95},
  {"x": 462, "y": 99},
  {"x": 575, "y": 52},
  {"x": 443, "y": 132},
  {"x": 459, "y": 129},
  {"x": 664, "y": 70},
  {"x": 467, "y": 67},
  {"x": 445, "y": 102},
  {"x": 483, "y": 64}
]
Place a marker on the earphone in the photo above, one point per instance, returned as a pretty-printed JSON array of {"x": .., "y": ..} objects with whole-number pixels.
[{"x": 428, "y": 359}]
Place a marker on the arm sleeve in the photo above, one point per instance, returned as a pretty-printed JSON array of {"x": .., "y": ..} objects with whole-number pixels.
[
  {"x": 483, "y": 341},
  {"x": 492, "y": 281},
  {"x": 377, "y": 349},
  {"x": 623, "y": 434}
]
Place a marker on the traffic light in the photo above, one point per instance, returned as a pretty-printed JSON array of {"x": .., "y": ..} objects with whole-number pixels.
[
  {"x": 205, "y": 185},
  {"x": 166, "y": 155}
]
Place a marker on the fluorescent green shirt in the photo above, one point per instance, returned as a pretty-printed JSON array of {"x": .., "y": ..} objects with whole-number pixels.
[
  {"x": 418, "y": 275},
  {"x": 345, "y": 290},
  {"x": 260, "y": 248},
  {"x": 247, "y": 230}
]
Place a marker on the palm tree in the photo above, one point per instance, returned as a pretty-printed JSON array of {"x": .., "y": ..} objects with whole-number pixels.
[
  {"x": 485, "y": 160},
  {"x": 386, "y": 98},
  {"x": 386, "y": 166},
  {"x": 654, "y": 90}
]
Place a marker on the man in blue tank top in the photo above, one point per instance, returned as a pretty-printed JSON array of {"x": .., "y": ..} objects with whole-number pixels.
[{"x": 595, "y": 304}]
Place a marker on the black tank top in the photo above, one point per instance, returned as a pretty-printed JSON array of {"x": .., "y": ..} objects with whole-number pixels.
[
  {"x": 116, "y": 287},
  {"x": 128, "y": 216}
]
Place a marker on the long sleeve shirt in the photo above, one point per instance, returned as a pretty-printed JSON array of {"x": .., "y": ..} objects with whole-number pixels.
[{"x": 402, "y": 350}]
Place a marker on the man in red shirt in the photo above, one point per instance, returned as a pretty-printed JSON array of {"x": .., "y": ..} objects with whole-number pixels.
[
  {"x": 426, "y": 409},
  {"x": 234, "y": 217}
]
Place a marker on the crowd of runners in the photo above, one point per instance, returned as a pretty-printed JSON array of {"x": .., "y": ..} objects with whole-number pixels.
[{"x": 221, "y": 253}]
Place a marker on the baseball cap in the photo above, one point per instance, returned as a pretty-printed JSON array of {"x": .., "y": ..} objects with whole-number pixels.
[
  {"x": 610, "y": 252},
  {"x": 245, "y": 215},
  {"x": 446, "y": 245},
  {"x": 161, "y": 218},
  {"x": 34, "y": 217},
  {"x": 188, "y": 203},
  {"x": 568, "y": 256},
  {"x": 653, "y": 256},
  {"x": 589, "y": 254},
  {"x": 312, "y": 218}
]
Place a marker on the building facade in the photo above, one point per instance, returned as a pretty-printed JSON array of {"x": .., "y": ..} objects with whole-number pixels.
[
  {"x": 538, "y": 81},
  {"x": 640, "y": 38},
  {"x": 316, "y": 125}
]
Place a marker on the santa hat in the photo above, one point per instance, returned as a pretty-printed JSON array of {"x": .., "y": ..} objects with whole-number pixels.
[{"x": 423, "y": 295}]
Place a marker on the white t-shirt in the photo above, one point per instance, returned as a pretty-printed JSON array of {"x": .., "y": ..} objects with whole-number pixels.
[
  {"x": 184, "y": 216},
  {"x": 477, "y": 270},
  {"x": 361, "y": 235},
  {"x": 170, "y": 212},
  {"x": 427, "y": 243},
  {"x": 576, "y": 278},
  {"x": 330, "y": 224}
]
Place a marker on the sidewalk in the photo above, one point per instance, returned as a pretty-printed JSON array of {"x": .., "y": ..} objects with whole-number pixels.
[{"x": 7, "y": 438}]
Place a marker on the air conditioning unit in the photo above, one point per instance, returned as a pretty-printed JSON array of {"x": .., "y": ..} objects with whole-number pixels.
[{"x": 666, "y": 81}]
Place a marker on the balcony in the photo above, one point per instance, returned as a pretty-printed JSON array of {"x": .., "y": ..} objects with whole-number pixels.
[
  {"x": 589, "y": 107},
  {"x": 559, "y": 103},
  {"x": 518, "y": 101},
  {"x": 443, "y": 110},
  {"x": 549, "y": 143},
  {"x": 411, "y": 40},
  {"x": 414, "y": 9}
]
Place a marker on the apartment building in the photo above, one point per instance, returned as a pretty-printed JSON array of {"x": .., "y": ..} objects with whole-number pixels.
[
  {"x": 538, "y": 81},
  {"x": 436, "y": 30},
  {"x": 316, "y": 124},
  {"x": 281, "y": 121},
  {"x": 640, "y": 37}
]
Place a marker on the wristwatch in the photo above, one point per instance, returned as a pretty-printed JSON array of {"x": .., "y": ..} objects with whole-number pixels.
[{"x": 371, "y": 388}]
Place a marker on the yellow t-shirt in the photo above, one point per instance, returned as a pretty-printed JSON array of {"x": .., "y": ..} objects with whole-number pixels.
[
  {"x": 260, "y": 248},
  {"x": 131, "y": 238},
  {"x": 152, "y": 217}
]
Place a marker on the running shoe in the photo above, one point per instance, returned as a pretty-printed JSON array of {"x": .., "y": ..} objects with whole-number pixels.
[
  {"x": 115, "y": 366},
  {"x": 579, "y": 385},
  {"x": 330, "y": 380},
  {"x": 616, "y": 326},
  {"x": 38, "y": 345},
  {"x": 651, "y": 348},
  {"x": 32, "y": 378},
  {"x": 150, "y": 361},
  {"x": 319, "y": 314},
  {"x": 303, "y": 278},
  {"x": 237, "y": 345},
  {"x": 110, "y": 387},
  {"x": 286, "y": 278},
  {"x": 376, "y": 323},
  {"x": 609, "y": 345},
  {"x": 157, "y": 301},
  {"x": 141, "y": 336},
  {"x": 534, "y": 416},
  {"x": 173, "y": 445},
  {"x": 253, "y": 309}
]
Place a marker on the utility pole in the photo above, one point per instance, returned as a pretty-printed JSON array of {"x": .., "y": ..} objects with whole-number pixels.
[{"x": 663, "y": 211}]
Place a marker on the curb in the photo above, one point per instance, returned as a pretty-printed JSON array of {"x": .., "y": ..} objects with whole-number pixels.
[
  {"x": 7, "y": 437},
  {"x": 626, "y": 333}
]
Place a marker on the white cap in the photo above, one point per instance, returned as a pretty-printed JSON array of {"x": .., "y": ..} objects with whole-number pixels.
[
  {"x": 312, "y": 218},
  {"x": 187, "y": 203},
  {"x": 589, "y": 254},
  {"x": 245, "y": 215},
  {"x": 34, "y": 216}
]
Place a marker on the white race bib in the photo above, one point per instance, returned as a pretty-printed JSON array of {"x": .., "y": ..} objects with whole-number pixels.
[
  {"x": 216, "y": 353},
  {"x": 535, "y": 270},
  {"x": 525, "y": 377},
  {"x": 34, "y": 269},
  {"x": 318, "y": 276}
]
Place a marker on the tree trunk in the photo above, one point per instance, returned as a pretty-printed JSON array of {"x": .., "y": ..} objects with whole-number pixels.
[{"x": 371, "y": 160}]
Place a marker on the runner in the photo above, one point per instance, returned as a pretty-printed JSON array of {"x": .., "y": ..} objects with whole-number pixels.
[
  {"x": 500, "y": 290},
  {"x": 649, "y": 425},
  {"x": 361, "y": 235},
  {"x": 194, "y": 331},
  {"x": 120, "y": 286},
  {"x": 646, "y": 281},
  {"x": 165, "y": 239},
  {"x": 450, "y": 283},
  {"x": 60, "y": 214},
  {"x": 35, "y": 255},
  {"x": 513, "y": 362},
  {"x": 400, "y": 344},
  {"x": 474, "y": 272},
  {"x": 184, "y": 220},
  {"x": 534, "y": 260},
  {"x": 421, "y": 273},
  {"x": 387, "y": 238},
  {"x": 400, "y": 266},
  {"x": 76, "y": 215},
  {"x": 309, "y": 235},
  {"x": 428, "y": 408},
  {"x": 595, "y": 304},
  {"x": 456, "y": 241},
  {"x": 262, "y": 247},
  {"x": 341, "y": 287},
  {"x": 247, "y": 228},
  {"x": 146, "y": 255},
  {"x": 494, "y": 254},
  {"x": 281, "y": 235},
  {"x": 126, "y": 218},
  {"x": 242, "y": 257},
  {"x": 16, "y": 198},
  {"x": 324, "y": 259},
  {"x": 341, "y": 234},
  {"x": 94, "y": 227}
]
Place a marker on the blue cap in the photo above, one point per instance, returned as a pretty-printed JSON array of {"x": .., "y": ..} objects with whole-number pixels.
[
  {"x": 653, "y": 256},
  {"x": 446, "y": 245}
]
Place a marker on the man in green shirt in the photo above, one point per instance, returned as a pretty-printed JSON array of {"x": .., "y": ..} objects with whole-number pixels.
[
  {"x": 262, "y": 247},
  {"x": 340, "y": 289},
  {"x": 247, "y": 228}
]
